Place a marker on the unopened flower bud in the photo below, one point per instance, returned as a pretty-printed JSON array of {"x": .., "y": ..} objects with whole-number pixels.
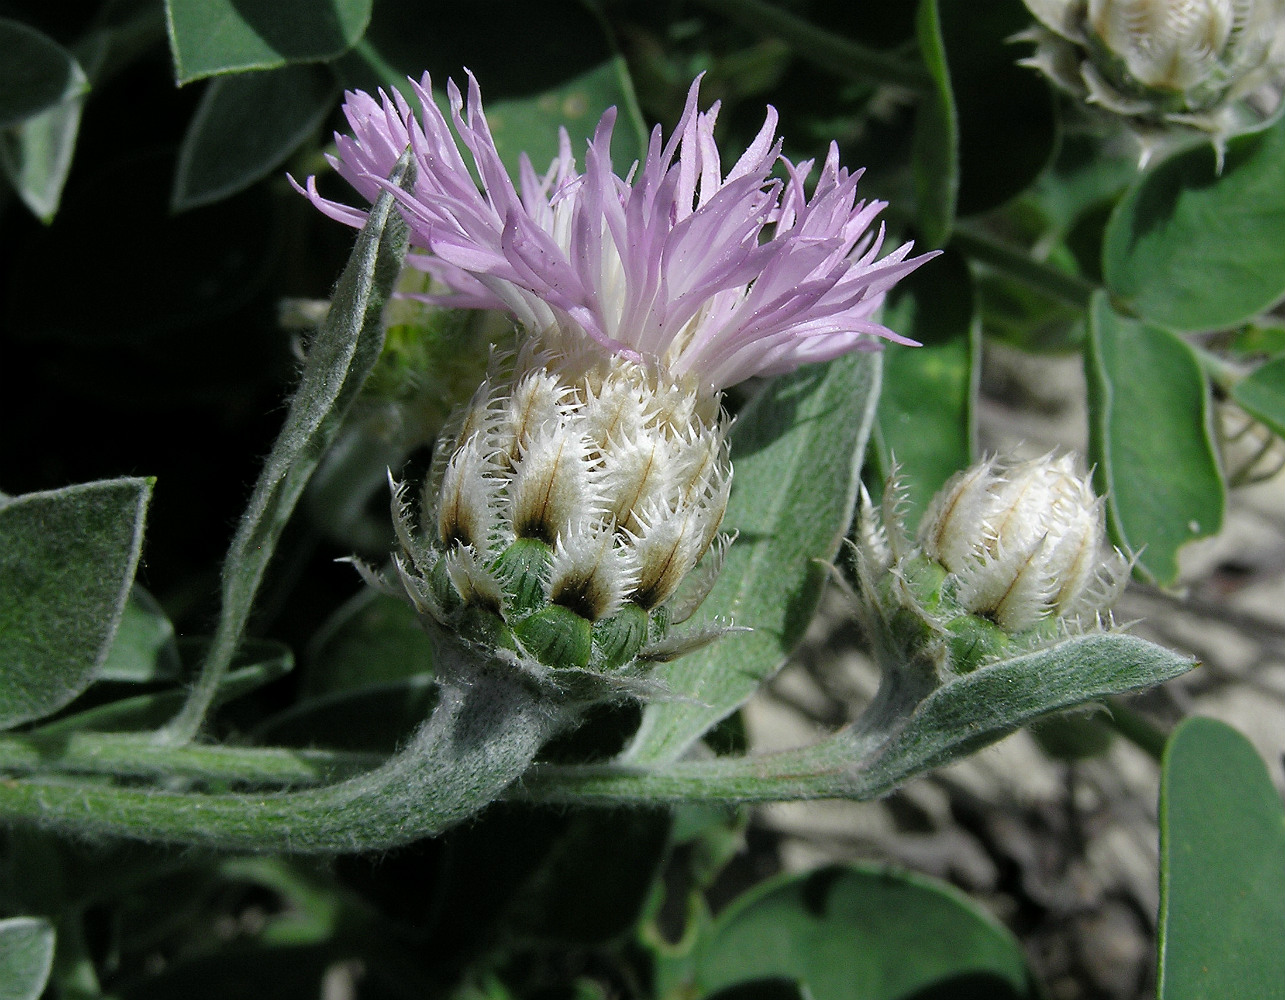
[
  {"x": 1008, "y": 555},
  {"x": 1025, "y": 542},
  {"x": 1166, "y": 64}
]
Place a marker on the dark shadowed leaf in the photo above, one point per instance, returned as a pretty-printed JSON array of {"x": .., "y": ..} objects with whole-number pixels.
[
  {"x": 861, "y": 933},
  {"x": 1262, "y": 394},
  {"x": 1004, "y": 112},
  {"x": 36, "y": 154},
  {"x": 209, "y": 37},
  {"x": 144, "y": 648},
  {"x": 372, "y": 639},
  {"x": 245, "y": 127},
  {"x": 36, "y": 73}
]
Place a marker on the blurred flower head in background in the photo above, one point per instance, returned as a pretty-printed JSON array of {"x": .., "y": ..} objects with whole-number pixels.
[{"x": 1213, "y": 66}]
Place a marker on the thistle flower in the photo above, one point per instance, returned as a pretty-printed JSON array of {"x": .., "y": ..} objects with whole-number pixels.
[
  {"x": 1166, "y": 66},
  {"x": 716, "y": 275},
  {"x": 574, "y": 496},
  {"x": 1007, "y": 554}
]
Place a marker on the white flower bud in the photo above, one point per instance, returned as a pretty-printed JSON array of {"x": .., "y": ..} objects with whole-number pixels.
[{"x": 1024, "y": 542}]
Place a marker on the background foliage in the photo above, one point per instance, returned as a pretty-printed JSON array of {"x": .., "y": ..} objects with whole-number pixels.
[{"x": 150, "y": 242}]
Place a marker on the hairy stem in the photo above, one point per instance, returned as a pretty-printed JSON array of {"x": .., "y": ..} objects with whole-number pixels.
[
  {"x": 825, "y": 49},
  {"x": 1018, "y": 264},
  {"x": 481, "y": 737},
  {"x": 137, "y": 756}
]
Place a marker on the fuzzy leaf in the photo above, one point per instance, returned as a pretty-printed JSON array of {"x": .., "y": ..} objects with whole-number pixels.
[
  {"x": 895, "y": 740},
  {"x": 67, "y": 559},
  {"x": 26, "y": 957},
  {"x": 1150, "y": 439},
  {"x": 209, "y": 37},
  {"x": 340, "y": 358},
  {"x": 1222, "y": 868},
  {"x": 479, "y": 740},
  {"x": 258, "y": 662},
  {"x": 797, "y": 449}
]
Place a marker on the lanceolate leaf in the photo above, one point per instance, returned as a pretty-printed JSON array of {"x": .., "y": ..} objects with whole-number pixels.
[
  {"x": 895, "y": 740},
  {"x": 340, "y": 358},
  {"x": 1222, "y": 869},
  {"x": 797, "y": 450},
  {"x": 1150, "y": 439},
  {"x": 67, "y": 559}
]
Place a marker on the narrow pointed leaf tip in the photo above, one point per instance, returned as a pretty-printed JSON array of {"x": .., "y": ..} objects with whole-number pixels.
[{"x": 717, "y": 275}]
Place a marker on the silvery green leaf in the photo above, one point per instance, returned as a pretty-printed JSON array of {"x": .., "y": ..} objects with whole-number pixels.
[
  {"x": 26, "y": 957},
  {"x": 797, "y": 449},
  {"x": 67, "y": 559}
]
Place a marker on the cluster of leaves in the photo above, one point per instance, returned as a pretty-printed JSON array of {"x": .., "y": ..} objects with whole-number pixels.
[{"x": 1052, "y": 244}]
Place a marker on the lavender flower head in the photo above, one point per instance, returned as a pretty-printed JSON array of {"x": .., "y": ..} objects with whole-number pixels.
[
  {"x": 573, "y": 497},
  {"x": 717, "y": 276}
]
